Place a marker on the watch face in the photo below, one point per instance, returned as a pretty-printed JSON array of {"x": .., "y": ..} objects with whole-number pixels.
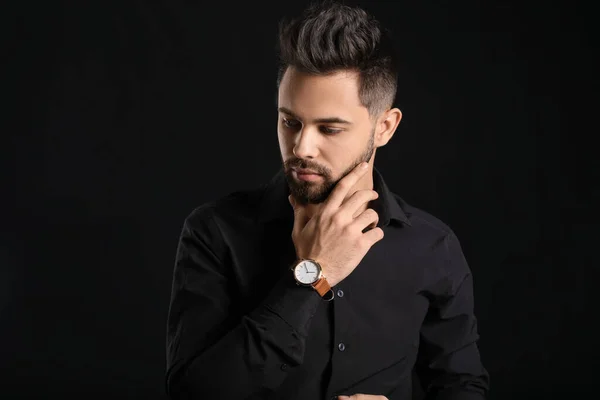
[{"x": 306, "y": 272}]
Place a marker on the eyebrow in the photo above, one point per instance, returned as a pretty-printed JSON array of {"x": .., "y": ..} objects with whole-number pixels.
[{"x": 328, "y": 120}]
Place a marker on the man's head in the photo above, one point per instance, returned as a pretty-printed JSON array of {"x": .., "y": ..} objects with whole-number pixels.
[{"x": 337, "y": 85}]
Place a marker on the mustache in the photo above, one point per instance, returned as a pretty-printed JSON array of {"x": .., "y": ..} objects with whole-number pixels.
[{"x": 304, "y": 164}]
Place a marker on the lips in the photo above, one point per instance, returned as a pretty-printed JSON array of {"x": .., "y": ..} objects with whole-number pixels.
[
  {"x": 305, "y": 172},
  {"x": 307, "y": 175}
]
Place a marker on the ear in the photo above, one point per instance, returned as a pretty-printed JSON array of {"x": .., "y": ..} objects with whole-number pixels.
[{"x": 386, "y": 126}]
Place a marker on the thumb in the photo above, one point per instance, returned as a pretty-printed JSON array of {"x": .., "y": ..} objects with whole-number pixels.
[
  {"x": 300, "y": 219},
  {"x": 297, "y": 206}
]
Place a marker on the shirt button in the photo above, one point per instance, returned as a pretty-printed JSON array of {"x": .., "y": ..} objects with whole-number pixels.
[
  {"x": 284, "y": 367},
  {"x": 340, "y": 293},
  {"x": 342, "y": 346}
]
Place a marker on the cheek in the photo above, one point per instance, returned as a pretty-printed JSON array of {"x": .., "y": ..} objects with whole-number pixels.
[
  {"x": 341, "y": 153},
  {"x": 341, "y": 156},
  {"x": 285, "y": 143}
]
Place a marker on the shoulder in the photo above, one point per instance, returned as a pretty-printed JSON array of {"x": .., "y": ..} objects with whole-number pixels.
[
  {"x": 423, "y": 220},
  {"x": 435, "y": 240}
]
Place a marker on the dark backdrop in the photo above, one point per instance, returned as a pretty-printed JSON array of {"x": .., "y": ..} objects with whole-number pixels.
[{"x": 121, "y": 117}]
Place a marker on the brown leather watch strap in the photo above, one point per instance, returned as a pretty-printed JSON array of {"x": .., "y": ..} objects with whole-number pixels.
[{"x": 322, "y": 286}]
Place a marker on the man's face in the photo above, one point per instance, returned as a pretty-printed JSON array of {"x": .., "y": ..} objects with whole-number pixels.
[{"x": 323, "y": 129}]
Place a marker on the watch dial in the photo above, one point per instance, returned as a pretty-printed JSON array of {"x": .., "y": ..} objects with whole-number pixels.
[{"x": 306, "y": 272}]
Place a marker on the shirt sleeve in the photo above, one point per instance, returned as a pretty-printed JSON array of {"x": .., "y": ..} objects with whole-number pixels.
[
  {"x": 211, "y": 351},
  {"x": 448, "y": 363}
]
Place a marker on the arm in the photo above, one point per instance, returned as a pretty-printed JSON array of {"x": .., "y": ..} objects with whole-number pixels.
[
  {"x": 448, "y": 364},
  {"x": 213, "y": 353}
]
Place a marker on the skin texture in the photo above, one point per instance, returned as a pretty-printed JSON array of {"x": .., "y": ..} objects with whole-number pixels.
[{"x": 332, "y": 149}]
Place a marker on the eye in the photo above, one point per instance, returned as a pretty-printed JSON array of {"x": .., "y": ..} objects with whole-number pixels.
[
  {"x": 329, "y": 131},
  {"x": 290, "y": 123}
]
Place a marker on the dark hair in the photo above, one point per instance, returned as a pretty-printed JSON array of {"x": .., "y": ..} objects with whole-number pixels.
[{"x": 331, "y": 36}]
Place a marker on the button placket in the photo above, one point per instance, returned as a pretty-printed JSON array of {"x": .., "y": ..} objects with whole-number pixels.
[{"x": 342, "y": 333}]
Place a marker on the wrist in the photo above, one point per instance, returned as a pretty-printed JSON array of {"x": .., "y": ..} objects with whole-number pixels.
[
  {"x": 309, "y": 272},
  {"x": 331, "y": 280}
]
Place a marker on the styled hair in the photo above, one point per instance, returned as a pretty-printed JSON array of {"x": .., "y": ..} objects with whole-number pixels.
[{"x": 328, "y": 37}]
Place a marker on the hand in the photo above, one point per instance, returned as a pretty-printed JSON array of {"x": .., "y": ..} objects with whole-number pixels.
[
  {"x": 334, "y": 236},
  {"x": 360, "y": 396}
]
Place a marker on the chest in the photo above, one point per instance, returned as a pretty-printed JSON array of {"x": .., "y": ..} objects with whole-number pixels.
[{"x": 371, "y": 328}]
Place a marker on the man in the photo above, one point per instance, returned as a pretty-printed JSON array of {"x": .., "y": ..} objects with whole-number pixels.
[{"x": 323, "y": 284}]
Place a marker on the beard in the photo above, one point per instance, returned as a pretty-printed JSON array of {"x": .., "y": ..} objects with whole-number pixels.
[{"x": 317, "y": 192}]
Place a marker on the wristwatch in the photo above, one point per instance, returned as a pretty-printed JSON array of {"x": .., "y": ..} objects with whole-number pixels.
[{"x": 308, "y": 272}]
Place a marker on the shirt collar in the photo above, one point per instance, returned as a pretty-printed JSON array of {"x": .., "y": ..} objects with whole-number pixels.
[{"x": 275, "y": 205}]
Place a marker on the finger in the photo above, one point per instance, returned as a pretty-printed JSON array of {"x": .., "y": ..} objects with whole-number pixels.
[
  {"x": 373, "y": 236},
  {"x": 358, "y": 199},
  {"x": 342, "y": 188},
  {"x": 300, "y": 217},
  {"x": 367, "y": 218}
]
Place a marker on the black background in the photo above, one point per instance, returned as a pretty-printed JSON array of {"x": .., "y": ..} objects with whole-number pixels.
[{"x": 123, "y": 116}]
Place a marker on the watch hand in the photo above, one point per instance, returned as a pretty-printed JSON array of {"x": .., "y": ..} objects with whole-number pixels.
[{"x": 305, "y": 268}]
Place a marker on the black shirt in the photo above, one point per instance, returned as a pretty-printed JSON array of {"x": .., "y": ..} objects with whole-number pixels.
[{"x": 240, "y": 328}]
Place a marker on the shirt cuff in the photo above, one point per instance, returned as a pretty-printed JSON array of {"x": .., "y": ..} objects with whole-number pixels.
[{"x": 294, "y": 304}]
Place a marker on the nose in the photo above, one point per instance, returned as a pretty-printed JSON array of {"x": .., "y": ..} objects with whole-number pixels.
[{"x": 306, "y": 144}]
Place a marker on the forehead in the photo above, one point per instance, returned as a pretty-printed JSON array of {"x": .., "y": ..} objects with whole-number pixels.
[{"x": 314, "y": 95}]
